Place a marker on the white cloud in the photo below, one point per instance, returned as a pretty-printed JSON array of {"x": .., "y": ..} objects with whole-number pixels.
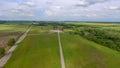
[
  {"x": 30, "y": 4},
  {"x": 91, "y": 15},
  {"x": 57, "y": 7},
  {"x": 76, "y": 15},
  {"x": 1, "y": 14},
  {"x": 49, "y": 13},
  {"x": 60, "y": 9},
  {"x": 113, "y": 8},
  {"x": 81, "y": 3},
  {"x": 86, "y": 3},
  {"x": 53, "y": 10},
  {"x": 27, "y": 14},
  {"x": 17, "y": 10}
]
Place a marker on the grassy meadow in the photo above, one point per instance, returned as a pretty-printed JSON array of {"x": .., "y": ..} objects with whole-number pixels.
[{"x": 82, "y": 53}]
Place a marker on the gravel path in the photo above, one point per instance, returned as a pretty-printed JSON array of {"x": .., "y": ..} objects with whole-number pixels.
[
  {"x": 7, "y": 56},
  {"x": 61, "y": 52}
]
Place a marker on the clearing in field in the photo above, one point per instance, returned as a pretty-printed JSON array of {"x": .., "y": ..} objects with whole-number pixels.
[{"x": 39, "y": 50}]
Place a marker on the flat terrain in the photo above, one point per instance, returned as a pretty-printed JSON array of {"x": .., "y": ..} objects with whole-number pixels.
[
  {"x": 39, "y": 50},
  {"x": 81, "y": 53},
  {"x": 9, "y": 53},
  {"x": 10, "y": 31}
]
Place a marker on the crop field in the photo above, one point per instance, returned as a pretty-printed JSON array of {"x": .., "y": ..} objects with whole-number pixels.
[{"x": 38, "y": 50}]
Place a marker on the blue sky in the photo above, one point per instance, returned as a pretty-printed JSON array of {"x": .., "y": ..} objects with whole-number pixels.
[{"x": 60, "y": 10}]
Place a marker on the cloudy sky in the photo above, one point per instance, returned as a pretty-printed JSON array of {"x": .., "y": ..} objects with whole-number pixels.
[{"x": 60, "y": 10}]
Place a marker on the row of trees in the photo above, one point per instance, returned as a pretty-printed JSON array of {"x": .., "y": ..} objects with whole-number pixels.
[
  {"x": 107, "y": 38},
  {"x": 56, "y": 25}
]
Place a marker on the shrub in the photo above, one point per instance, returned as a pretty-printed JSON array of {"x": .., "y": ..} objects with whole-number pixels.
[
  {"x": 2, "y": 52},
  {"x": 11, "y": 42}
]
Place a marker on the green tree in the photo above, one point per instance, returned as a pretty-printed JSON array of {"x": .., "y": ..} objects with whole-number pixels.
[
  {"x": 11, "y": 42},
  {"x": 2, "y": 52}
]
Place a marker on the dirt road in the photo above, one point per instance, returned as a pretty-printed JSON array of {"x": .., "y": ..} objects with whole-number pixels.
[
  {"x": 7, "y": 56},
  {"x": 61, "y": 52}
]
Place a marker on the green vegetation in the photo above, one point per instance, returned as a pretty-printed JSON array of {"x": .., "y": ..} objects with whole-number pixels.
[
  {"x": 85, "y": 45},
  {"x": 13, "y": 27},
  {"x": 11, "y": 42},
  {"x": 38, "y": 50},
  {"x": 110, "y": 39},
  {"x": 107, "y": 35},
  {"x": 2, "y": 52},
  {"x": 82, "y": 53}
]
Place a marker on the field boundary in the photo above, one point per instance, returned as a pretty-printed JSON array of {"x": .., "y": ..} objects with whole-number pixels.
[{"x": 7, "y": 56}]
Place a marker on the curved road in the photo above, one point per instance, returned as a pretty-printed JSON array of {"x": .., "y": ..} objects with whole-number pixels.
[{"x": 7, "y": 56}]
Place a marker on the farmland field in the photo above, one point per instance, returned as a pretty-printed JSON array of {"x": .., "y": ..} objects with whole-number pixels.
[
  {"x": 9, "y": 31},
  {"x": 85, "y": 45},
  {"x": 38, "y": 50}
]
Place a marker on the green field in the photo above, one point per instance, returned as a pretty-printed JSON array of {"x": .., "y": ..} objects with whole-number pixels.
[
  {"x": 8, "y": 29},
  {"x": 81, "y": 53},
  {"x": 38, "y": 50},
  {"x": 13, "y": 27}
]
